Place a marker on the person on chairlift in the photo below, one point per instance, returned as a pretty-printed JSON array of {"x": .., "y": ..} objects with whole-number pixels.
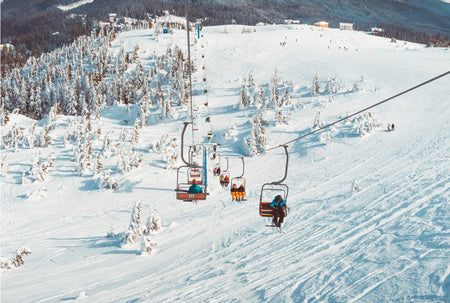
[
  {"x": 241, "y": 192},
  {"x": 278, "y": 206},
  {"x": 195, "y": 188}
]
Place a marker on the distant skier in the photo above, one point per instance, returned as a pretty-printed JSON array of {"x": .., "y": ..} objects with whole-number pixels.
[{"x": 278, "y": 206}]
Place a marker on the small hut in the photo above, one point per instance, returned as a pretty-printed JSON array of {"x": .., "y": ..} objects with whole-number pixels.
[
  {"x": 346, "y": 26},
  {"x": 321, "y": 24}
]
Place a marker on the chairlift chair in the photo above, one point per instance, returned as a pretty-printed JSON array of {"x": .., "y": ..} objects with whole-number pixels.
[
  {"x": 271, "y": 190},
  {"x": 226, "y": 175},
  {"x": 183, "y": 186},
  {"x": 186, "y": 175},
  {"x": 236, "y": 183}
]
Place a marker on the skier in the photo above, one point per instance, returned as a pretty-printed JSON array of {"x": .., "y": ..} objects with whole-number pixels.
[{"x": 278, "y": 206}]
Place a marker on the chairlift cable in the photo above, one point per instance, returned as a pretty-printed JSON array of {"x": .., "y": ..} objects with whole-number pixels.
[
  {"x": 190, "y": 68},
  {"x": 360, "y": 111}
]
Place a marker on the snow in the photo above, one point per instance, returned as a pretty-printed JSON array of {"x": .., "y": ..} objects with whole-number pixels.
[
  {"x": 74, "y": 5},
  {"x": 386, "y": 240}
]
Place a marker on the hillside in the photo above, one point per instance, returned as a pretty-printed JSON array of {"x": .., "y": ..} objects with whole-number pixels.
[
  {"x": 369, "y": 216},
  {"x": 30, "y": 25}
]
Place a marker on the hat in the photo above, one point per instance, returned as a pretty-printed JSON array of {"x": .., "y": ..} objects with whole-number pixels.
[{"x": 194, "y": 181}]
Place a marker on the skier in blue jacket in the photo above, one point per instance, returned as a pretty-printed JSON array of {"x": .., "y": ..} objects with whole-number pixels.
[
  {"x": 195, "y": 188},
  {"x": 278, "y": 206}
]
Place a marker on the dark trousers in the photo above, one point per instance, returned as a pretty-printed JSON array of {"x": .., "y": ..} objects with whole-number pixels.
[{"x": 278, "y": 217}]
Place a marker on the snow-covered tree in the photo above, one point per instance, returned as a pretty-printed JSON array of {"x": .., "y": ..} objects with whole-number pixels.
[
  {"x": 317, "y": 122},
  {"x": 147, "y": 245},
  {"x": 135, "y": 229},
  {"x": 4, "y": 116},
  {"x": 106, "y": 181},
  {"x": 17, "y": 260},
  {"x": 315, "y": 86}
]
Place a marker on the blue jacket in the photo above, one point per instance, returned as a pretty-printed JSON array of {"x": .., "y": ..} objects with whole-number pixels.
[
  {"x": 275, "y": 203},
  {"x": 195, "y": 189}
]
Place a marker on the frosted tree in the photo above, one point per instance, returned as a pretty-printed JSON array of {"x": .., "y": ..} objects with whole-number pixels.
[
  {"x": 257, "y": 141},
  {"x": 251, "y": 80},
  {"x": 4, "y": 166},
  {"x": 331, "y": 97},
  {"x": 98, "y": 165},
  {"x": 283, "y": 119},
  {"x": 135, "y": 229},
  {"x": 315, "y": 86},
  {"x": 136, "y": 160},
  {"x": 135, "y": 138},
  {"x": 355, "y": 187},
  {"x": 274, "y": 92},
  {"x": 259, "y": 98},
  {"x": 249, "y": 146},
  {"x": 135, "y": 55},
  {"x": 17, "y": 260},
  {"x": 317, "y": 123},
  {"x": 106, "y": 181},
  {"x": 124, "y": 165},
  {"x": 147, "y": 245},
  {"x": 4, "y": 116},
  {"x": 245, "y": 102},
  {"x": 286, "y": 99},
  {"x": 154, "y": 223},
  {"x": 123, "y": 135}
]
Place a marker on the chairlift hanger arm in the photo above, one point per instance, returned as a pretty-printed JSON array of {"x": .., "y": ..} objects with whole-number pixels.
[
  {"x": 182, "y": 142},
  {"x": 286, "y": 167},
  {"x": 243, "y": 168}
]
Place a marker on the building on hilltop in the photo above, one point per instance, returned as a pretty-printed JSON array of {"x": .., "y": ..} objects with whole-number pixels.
[
  {"x": 346, "y": 26},
  {"x": 321, "y": 24}
]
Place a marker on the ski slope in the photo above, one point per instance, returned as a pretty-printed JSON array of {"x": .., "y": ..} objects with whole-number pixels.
[{"x": 387, "y": 241}]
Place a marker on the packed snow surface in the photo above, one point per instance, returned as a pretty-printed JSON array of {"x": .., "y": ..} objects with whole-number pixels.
[
  {"x": 74, "y": 5},
  {"x": 369, "y": 215}
]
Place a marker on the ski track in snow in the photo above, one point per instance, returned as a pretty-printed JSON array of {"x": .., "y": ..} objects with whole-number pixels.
[{"x": 387, "y": 241}]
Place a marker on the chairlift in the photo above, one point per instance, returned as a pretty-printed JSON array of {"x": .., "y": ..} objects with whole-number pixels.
[
  {"x": 183, "y": 187},
  {"x": 238, "y": 186},
  {"x": 272, "y": 189},
  {"x": 189, "y": 175},
  {"x": 216, "y": 168},
  {"x": 224, "y": 177}
]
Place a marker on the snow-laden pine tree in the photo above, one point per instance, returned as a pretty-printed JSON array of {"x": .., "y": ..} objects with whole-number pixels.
[
  {"x": 274, "y": 91},
  {"x": 106, "y": 181},
  {"x": 4, "y": 115},
  {"x": 135, "y": 138},
  {"x": 317, "y": 122},
  {"x": 257, "y": 141},
  {"x": 154, "y": 223},
  {"x": 17, "y": 260},
  {"x": 315, "y": 86},
  {"x": 98, "y": 165},
  {"x": 135, "y": 229},
  {"x": 147, "y": 245}
]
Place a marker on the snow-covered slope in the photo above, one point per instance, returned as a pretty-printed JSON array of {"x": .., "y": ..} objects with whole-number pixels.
[
  {"x": 74, "y": 5},
  {"x": 388, "y": 240}
]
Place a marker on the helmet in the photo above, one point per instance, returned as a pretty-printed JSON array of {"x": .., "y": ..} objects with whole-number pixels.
[
  {"x": 242, "y": 185},
  {"x": 278, "y": 198}
]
